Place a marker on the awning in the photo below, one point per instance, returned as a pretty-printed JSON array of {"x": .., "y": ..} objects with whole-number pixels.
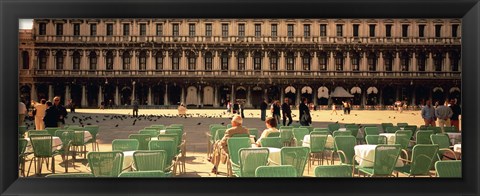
[
  {"x": 290, "y": 89},
  {"x": 372, "y": 89},
  {"x": 241, "y": 87},
  {"x": 356, "y": 90},
  {"x": 340, "y": 92},
  {"x": 322, "y": 92},
  {"x": 307, "y": 89},
  {"x": 437, "y": 89},
  {"x": 257, "y": 88},
  {"x": 454, "y": 89}
]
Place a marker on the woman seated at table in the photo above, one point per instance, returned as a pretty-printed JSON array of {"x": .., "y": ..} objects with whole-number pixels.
[{"x": 271, "y": 125}]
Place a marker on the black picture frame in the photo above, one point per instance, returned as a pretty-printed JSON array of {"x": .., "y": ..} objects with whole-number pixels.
[{"x": 468, "y": 10}]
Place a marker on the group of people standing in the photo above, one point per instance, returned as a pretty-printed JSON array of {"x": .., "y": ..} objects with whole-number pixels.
[
  {"x": 446, "y": 113},
  {"x": 46, "y": 113},
  {"x": 275, "y": 108},
  {"x": 236, "y": 108}
]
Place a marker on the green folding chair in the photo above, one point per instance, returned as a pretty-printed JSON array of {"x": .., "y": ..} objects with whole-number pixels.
[
  {"x": 143, "y": 174},
  {"x": 125, "y": 145},
  {"x": 67, "y": 137},
  {"x": 250, "y": 160},
  {"x": 143, "y": 140},
  {"x": 423, "y": 155},
  {"x": 211, "y": 137},
  {"x": 274, "y": 134},
  {"x": 282, "y": 171},
  {"x": 150, "y": 160},
  {"x": 317, "y": 148},
  {"x": 449, "y": 169},
  {"x": 333, "y": 127},
  {"x": 151, "y": 132},
  {"x": 172, "y": 156},
  {"x": 386, "y": 157},
  {"x": 253, "y": 131},
  {"x": 22, "y": 130},
  {"x": 443, "y": 143},
  {"x": 42, "y": 151},
  {"x": 22, "y": 146},
  {"x": 234, "y": 145},
  {"x": 385, "y": 125},
  {"x": 344, "y": 147},
  {"x": 295, "y": 156},
  {"x": 299, "y": 134},
  {"x": 344, "y": 133},
  {"x": 392, "y": 129},
  {"x": 310, "y": 128},
  {"x": 376, "y": 139},
  {"x": 336, "y": 171},
  {"x": 402, "y": 137},
  {"x": 286, "y": 136},
  {"x": 402, "y": 124},
  {"x": 51, "y": 130},
  {"x": 423, "y": 137},
  {"x": 274, "y": 142},
  {"x": 105, "y": 164},
  {"x": 451, "y": 129},
  {"x": 93, "y": 130},
  {"x": 158, "y": 126}
]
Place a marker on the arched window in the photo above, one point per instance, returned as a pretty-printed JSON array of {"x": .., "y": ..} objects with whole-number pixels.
[
  {"x": 241, "y": 61},
  {"x": 339, "y": 61},
  {"x": 42, "y": 60},
  {"x": 372, "y": 62},
  {"x": 76, "y": 60},
  {"x": 274, "y": 61},
  {"x": 322, "y": 60},
  {"x": 438, "y": 61},
  {"x": 59, "y": 60},
  {"x": 257, "y": 61},
  {"x": 388, "y": 60},
  {"x": 25, "y": 60},
  {"x": 306, "y": 61},
  {"x": 224, "y": 60},
  {"x": 175, "y": 61},
  {"x": 355, "y": 61},
  {"x": 290, "y": 61},
  {"x": 126, "y": 60},
  {"x": 109, "y": 60},
  {"x": 208, "y": 61},
  {"x": 192, "y": 62},
  {"x": 93, "y": 60},
  {"x": 421, "y": 61},
  {"x": 142, "y": 61},
  {"x": 159, "y": 61},
  {"x": 404, "y": 61}
]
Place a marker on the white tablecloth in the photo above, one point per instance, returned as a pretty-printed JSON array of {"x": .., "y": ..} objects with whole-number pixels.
[
  {"x": 274, "y": 154},
  {"x": 328, "y": 144},
  {"x": 457, "y": 148},
  {"x": 390, "y": 137},
  {"x": 342, "y": 129},
  {"x": 56, "y": 144},
  {"x": 87, "y": 136},
  {"x": 455, "y": 137},
  {"x": 367, "y": 152},
  {"x": 127, "y": 158}
]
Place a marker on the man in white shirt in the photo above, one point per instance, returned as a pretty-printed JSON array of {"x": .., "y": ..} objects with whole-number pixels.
[{"x": 22, "y": 111}]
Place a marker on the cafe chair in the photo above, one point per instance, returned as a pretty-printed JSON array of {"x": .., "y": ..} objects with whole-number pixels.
[
  {"x": 282, "y": 171},
  {"x": 234, "y": 145},
  {"x": 338, "y": 171},
  {"x": 295, "y": 156},
  {"x": 249, "y": 160},
  {"x": 143, "y": 174},
  {"x": 172, "y": 154},
  {"x": 423, "y": 156},
  {"x": 105, "y": 164},
  {"x": 449, "y": 169},
  {"x": 125, "y": 144}
]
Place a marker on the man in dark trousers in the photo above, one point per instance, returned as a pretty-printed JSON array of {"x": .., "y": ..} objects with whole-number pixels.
[
  {"x": 61, "y": 111},
  {"x": 286, "y": 112},
  {"x": 135, "y": 108},
  {"x": 263, "y": 109},
  {"x": 305, "y": 121},
  {"x": 236, "y": 107},
  {"x": 51, "y": 115}
]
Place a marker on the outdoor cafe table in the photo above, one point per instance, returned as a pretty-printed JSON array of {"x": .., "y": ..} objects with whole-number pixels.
[
  {"x": 455, "y": 137},
  {"x": 367, "y": 152},
  {"x": 127, "y": 158},
  {"x": 56, "y": 144},
  {"x": 273, "y": 155},
  {"x": 457, "y": 148},
  {"x": 328, "y": 144},
  {"x": 390, "y": 137}
]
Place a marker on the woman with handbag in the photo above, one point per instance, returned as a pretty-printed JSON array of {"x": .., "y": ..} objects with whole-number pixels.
[{"x": 305, "y": 118}]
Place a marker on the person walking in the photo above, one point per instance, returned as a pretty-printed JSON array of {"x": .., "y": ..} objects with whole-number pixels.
[
  {"x": 51, "y": 115},
  {"x": 22, "y": 111},
  {"x": 428, "y": 114},
  {"x": 263, "y": 109},
  {"x": 236, "y": 108},
  {"x": 71, "y": 105},
  {"x": 242, "y": 108},
  {"x": 286, "y": 112},
  {"x": 305, "y": 118},
  {"x": 443, "y": 113},
  {"x": 61, "y": 111},
  {"x": 275, "y": 109},
  {"x": 135, "y": 108},
  {"x": 334, "y": 109},
  {"x": 182, "y": 110},
  {"x": 39, "y": 113},
  {"x": 457, "y": 111}
]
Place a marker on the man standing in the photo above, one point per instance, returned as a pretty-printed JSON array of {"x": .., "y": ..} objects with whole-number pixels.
[
  {"x": 454, "y": 120},
  {"x": 286, "y": 112},
  {"x": 236, "y": 107},
  {"x": 263, "y": 109},
  {"x": 135, "y": 108},
  {"x": 428, "y": 114},
  {"x": 304, "y": 111},
  {"x": 242, "y": 108},
  {"x": 443, "y": 113},
  {"x": 22, "y": 111},
  {"x": 51, "y": 116},
  {"x": 61, "y": 111},
  {"x": 276, "y": 110}
]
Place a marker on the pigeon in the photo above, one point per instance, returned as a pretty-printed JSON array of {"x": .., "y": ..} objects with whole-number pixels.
[
  {"x": 355, "y": 114},
  {"x": 394, "y": 117},
  {"x": 97, "y": 121},
  {"x": 89, "y": 123},
  {"x": 223, "y": 123},
  {"x": 116, "y": 125},
  {"x": 336, "y": 122},
  {"x": 199, "y": 123},
  {"x": 343, "y": 119}
]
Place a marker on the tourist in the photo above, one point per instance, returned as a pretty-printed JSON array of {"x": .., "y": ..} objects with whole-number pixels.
[
  {"x": 271, "y": 125},
  {"x": 51, "y": 116},
  {"x": 110, "y": 103},
  {"x": 428, "y": 114},
  {"x": 71, "y": 106},
  {"x": 457, "y": 111},
  {"x": 443, "y": 113},
  {"x": 220, "y": 149},
  {"x": 22, "y": 111},
  {"x": 229, "y": 107},
  {"x": 275, "y": 109},
  {"x": 334, "y": 109},
  {"x": 242, "y": 108},
  {"x": 263, "y": 109},
  {"x": 61, "y": 111},
  {"x": 182, "y": 110},
  {"x": 286, "y": 112},
  {"x": 305, "y": 118},
  {"x": 346, "y": 107},
  {"x": 135, "y": 108},
  {"x": 39, "y": 113},
  {"x": 236, "y": 107}
]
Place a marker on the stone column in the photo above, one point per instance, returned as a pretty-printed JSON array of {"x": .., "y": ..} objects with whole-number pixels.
[
  {"x": 50, "y": 62},
  {"x": 116, "y": 65},
  {"x": 83, "y": 62},
  {"x": 149, "y": 62},
  {"x": 149, "y": 99},
  {"x": 232, "y": 95},
  {"x": 414, "y": 66},
  {"x": 165, "y": 98},
  {"x": 363, "y": 65},
  {"x": 363, "y": 102},
  {"x": 331, "y": 62},
  {"x": 282, "y": 93},
  {"x": 199, "y": 97},
  {"x": 100, "y": 96},
  {"x": 101, "y": 62},
  {"x": 182, "y": 98},
  {"x": 249, "y": 97},
  {"x": 299, "y": 100},
  {"x": 215, "y": 99},
  {"x": 117, "y": 96},
  {"x": 298, "y": 64},
  {"x": 133, "y": 93},
  {"x": 266, "y": 62},
  {"x": 67, "y": 61},
  {"x": 381, "y": 62},
  {"x": 166, "y": 64},
  {"x": 183, "y": 61},
  {"x": 446, "y": 65},
  {"x": 281, "y": 61},
  {"x": 314, "y": 93},
  {"x": 133, "y": 62},
  {"x": 84, "y": 102},
  {"x": 396, "y": 62},
  {"x": 50, "y": 92},
  {"x": 314, "y": 64}
]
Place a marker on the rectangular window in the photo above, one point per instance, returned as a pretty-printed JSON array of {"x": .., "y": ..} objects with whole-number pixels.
[
  {"x": 208, "y": 62},
  {"x": 290, "y": 30},
  {"x": 372, "y": 30},
  {"x": 143, "y": 29},
  {"x": 355, "y": 63},
  {"x": 76, "y": 29},
  {"x": 224, "y": 30},
  {"x": 159, "y": 30},
  {"x": 93, "y": 63},
  {"x": 455, "y": 30},
  {"x": 290, "y": 61},
  {"x": 59, "y": 29},
  {"x": 258, "y": 30},
  {"x": 388, "y": 30},
  {"x": 159, "y": 62},
  {"x": 241, "y": 30},
  {"x": 306, "y": 30},
  {"x": 42, "y": 28},
  {"x": 323, "y": 62},
  {"x": 126, "y": 29},
  {"x": 438, "y": 31},
  {"x": 109, "y": 62},
  {"x": 93, "y": 29},
  {"x": 421, "y": 30},
  {"x": 355, "y": 30},
  {"x": 339, "y": 30},
  {"x": 241, "y": 63},
  {"x": 191, "y": 30},
  {"x": 273, "y": 63},
  {"x": 175, "y": 30},
  {"x": 109, "y": 29},
  {"x": 257, "y": 63},
  {"x": 191, "y": 63},
  {"x": 274, "y": 30},
  {"x": 306, "y": 63},
  {"x": 175, "y": 63},
  {"x": 404, "y": 30},
  {"x": 339, "y": 63},
  {"x": 208, "y": 30},
  {"x": 323, "y": 30}
]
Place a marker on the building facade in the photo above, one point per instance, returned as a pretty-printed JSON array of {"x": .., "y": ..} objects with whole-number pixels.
[{"x": 205, "y": 62}]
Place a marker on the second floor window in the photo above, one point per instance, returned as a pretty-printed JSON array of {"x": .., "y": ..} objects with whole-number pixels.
[
  {"x": 159, "y": 61},
  {"x": 372, "y": 30},
  {"x": 388, "y": 30},
  {"x": 404, "y": 62},
  {"x": 176, "y": 61},
  {"x": 76, "y": 61},
  {"x": 175, "y": 30},
  {"x": 126, "y": 29},
  {"x": 76, "y": 29},
  {"x": 59, "y": 29},
  {"x": 25, "y": 60},
  {"x": 455, "y": 30},
  {"x": 241, "y": 61},
  {"x": 355, "y": 30},
  {"x": 208, "y": 61},
  {"x": 93, "y": 61},
  {"x": 191, "y": 30},
  {"x": 372, "y": 62},
  {"x": 339, "y": 62},
  {"x": 109, "y": 29},
  {"x": 191, "y": 62},
  {"x": 93, "y": 29},
  {"x": 274, "y": 62},
  {"x": 455, "y": 59},
  {"x": 59, "y": 59},
  {"x": 142, "y": 61},
  {"x": 143, "y": 29},
  {"x": 388, "y": 60},
  {"x": 159, "y": 30},
  {"x": 109, "y": 60},
  {"x": 355, "y": 62},
  {"x": 323, "y": 30},
  {"x": 257, "y": 61},
  {"x": 208, "y": 30},
  {"x": 339, "y": 30},
  {"x": 404, "y": 30},
  {"x": 421, "y": 61},
  {"x": 438, "y": 31},
  {"x": 290, "y": 62},
  {"x": 274, "y": 30},
  {"x": 224, "y": 30},
  {"x": 306, "y": 30},
  {"x": 42, "y": 28},
  {"x": 421, "y": 30},
  {"x": 322, "y": 61},
  {"x": 290, "y": 30},
  {"x": 438, "y": 62},
  {"x": 42, "y": 60},
  {"x": 126, "y": 61},
  {"x": 306, "y": 62},
  {"x": 258, "y": 30},
  {"x": 224, "y": 61},
  {"x": 241, "y": 30}
]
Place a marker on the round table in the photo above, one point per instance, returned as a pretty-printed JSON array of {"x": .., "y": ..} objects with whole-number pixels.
[
  {"x": 390, "y": 137},
  {"x": 328, "y": 144},
  {"x": 455, "y": 137},
  {"x": 367, "y": 152}
]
